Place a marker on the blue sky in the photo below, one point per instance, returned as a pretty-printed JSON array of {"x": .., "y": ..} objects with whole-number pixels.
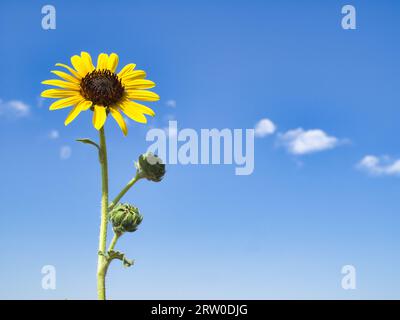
[{"x": 283, "y": 232}]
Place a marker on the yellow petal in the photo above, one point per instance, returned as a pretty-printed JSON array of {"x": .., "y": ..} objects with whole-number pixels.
[
  {"x": 128, "y": 68},
  {"x": 76, "y": 110},
  {"x": 87, "y": 61},
  {"x": 102, "y": 61},
  {"x": 112, "y": 62},
  {"x": 142, "y": 95},
  {"x": 76, "y": 74},
  {"x": 85, "y": 105},
  {"x": 132, "y": 75},
  {"x": 62, "y": 84},
  {"x": 133, "y": 114},
  {"x": 139, "y": 84},
  {"x": 58, "y": 93},
  {"x": 79, "y": 65},
  {"x": 120, "y": 120},
  {"x": 99, "y": 117},
  {"x": 139, "y": 107},
  {"x": 64, "y": 103},
  {"x": 65, "y": 76}
]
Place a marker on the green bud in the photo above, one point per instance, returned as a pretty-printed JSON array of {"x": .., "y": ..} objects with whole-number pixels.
[
  {"x": 125, "y": 218},
  {"x": 150, "y": 167}
]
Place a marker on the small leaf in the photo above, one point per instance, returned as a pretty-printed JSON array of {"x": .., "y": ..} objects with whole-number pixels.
[
  {"x": 115, "y": 255},
  {"x": 88, "y": 141},
  {"x": 127, "y": 262},
  {"x": 120, "y": 256}
]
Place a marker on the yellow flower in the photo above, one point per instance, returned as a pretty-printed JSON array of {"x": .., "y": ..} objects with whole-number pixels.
[{"x": 101, "y": 90}]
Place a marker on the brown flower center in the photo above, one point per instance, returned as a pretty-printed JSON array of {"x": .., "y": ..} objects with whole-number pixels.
[{"x": 102, "y": 87}]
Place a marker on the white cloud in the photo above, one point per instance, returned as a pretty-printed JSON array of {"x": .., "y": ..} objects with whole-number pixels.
[
  {"x": 380, "y": 165},
  {"x": 14, "y": 109},
  {"x": 300, "y": 141},
  {"x": 169, "y": 117},
  {"x": 65, "y": 152},
  {"x": 171, "y": 103},
  {"x": 40, "y": 101},
  {"x": 54, "y": 134},
  {"x": 264, "y": 127}
]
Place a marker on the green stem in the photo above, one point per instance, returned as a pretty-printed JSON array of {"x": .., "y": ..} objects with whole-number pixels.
[
  {"x": 114, "y": 241},
  {"x": 102, "y": 263},
  {"x": 104, "y": 267},
  {"x": 123, "y": 191}
]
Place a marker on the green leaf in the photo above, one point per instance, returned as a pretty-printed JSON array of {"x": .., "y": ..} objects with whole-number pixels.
[
  {"x": 127, "y": 262},
  {"x": 120, "y": 256},
  {"x": 88, "y": 141}
]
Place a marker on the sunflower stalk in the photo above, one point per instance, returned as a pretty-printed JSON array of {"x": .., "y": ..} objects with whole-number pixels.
[
  {"x": 102, "y": 263},
  {"x": 106, "y": 256}
]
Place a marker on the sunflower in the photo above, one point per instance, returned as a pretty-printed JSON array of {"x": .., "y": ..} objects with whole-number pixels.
[{"x": 101, "y": 90}]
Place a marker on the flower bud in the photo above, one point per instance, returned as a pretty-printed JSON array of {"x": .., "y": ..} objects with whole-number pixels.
[
  {"x": 125, "y": 218},
  {"x": 150, "y": 167}
]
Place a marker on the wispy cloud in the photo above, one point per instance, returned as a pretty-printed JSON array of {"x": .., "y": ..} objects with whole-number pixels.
[
  {"x": 171, "y": 103},
  {"x": 380, "y": 166},
  {"x": 300, "y": 141},
  {"x": 65, "y": 152},
  {"x": 40, "y": 101},
  {"x": 169, "y": 117},
  {"x": 264, "y": 127},
  {"x": 14, "y": 109},
  {"x": 54, "y": 134}
]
